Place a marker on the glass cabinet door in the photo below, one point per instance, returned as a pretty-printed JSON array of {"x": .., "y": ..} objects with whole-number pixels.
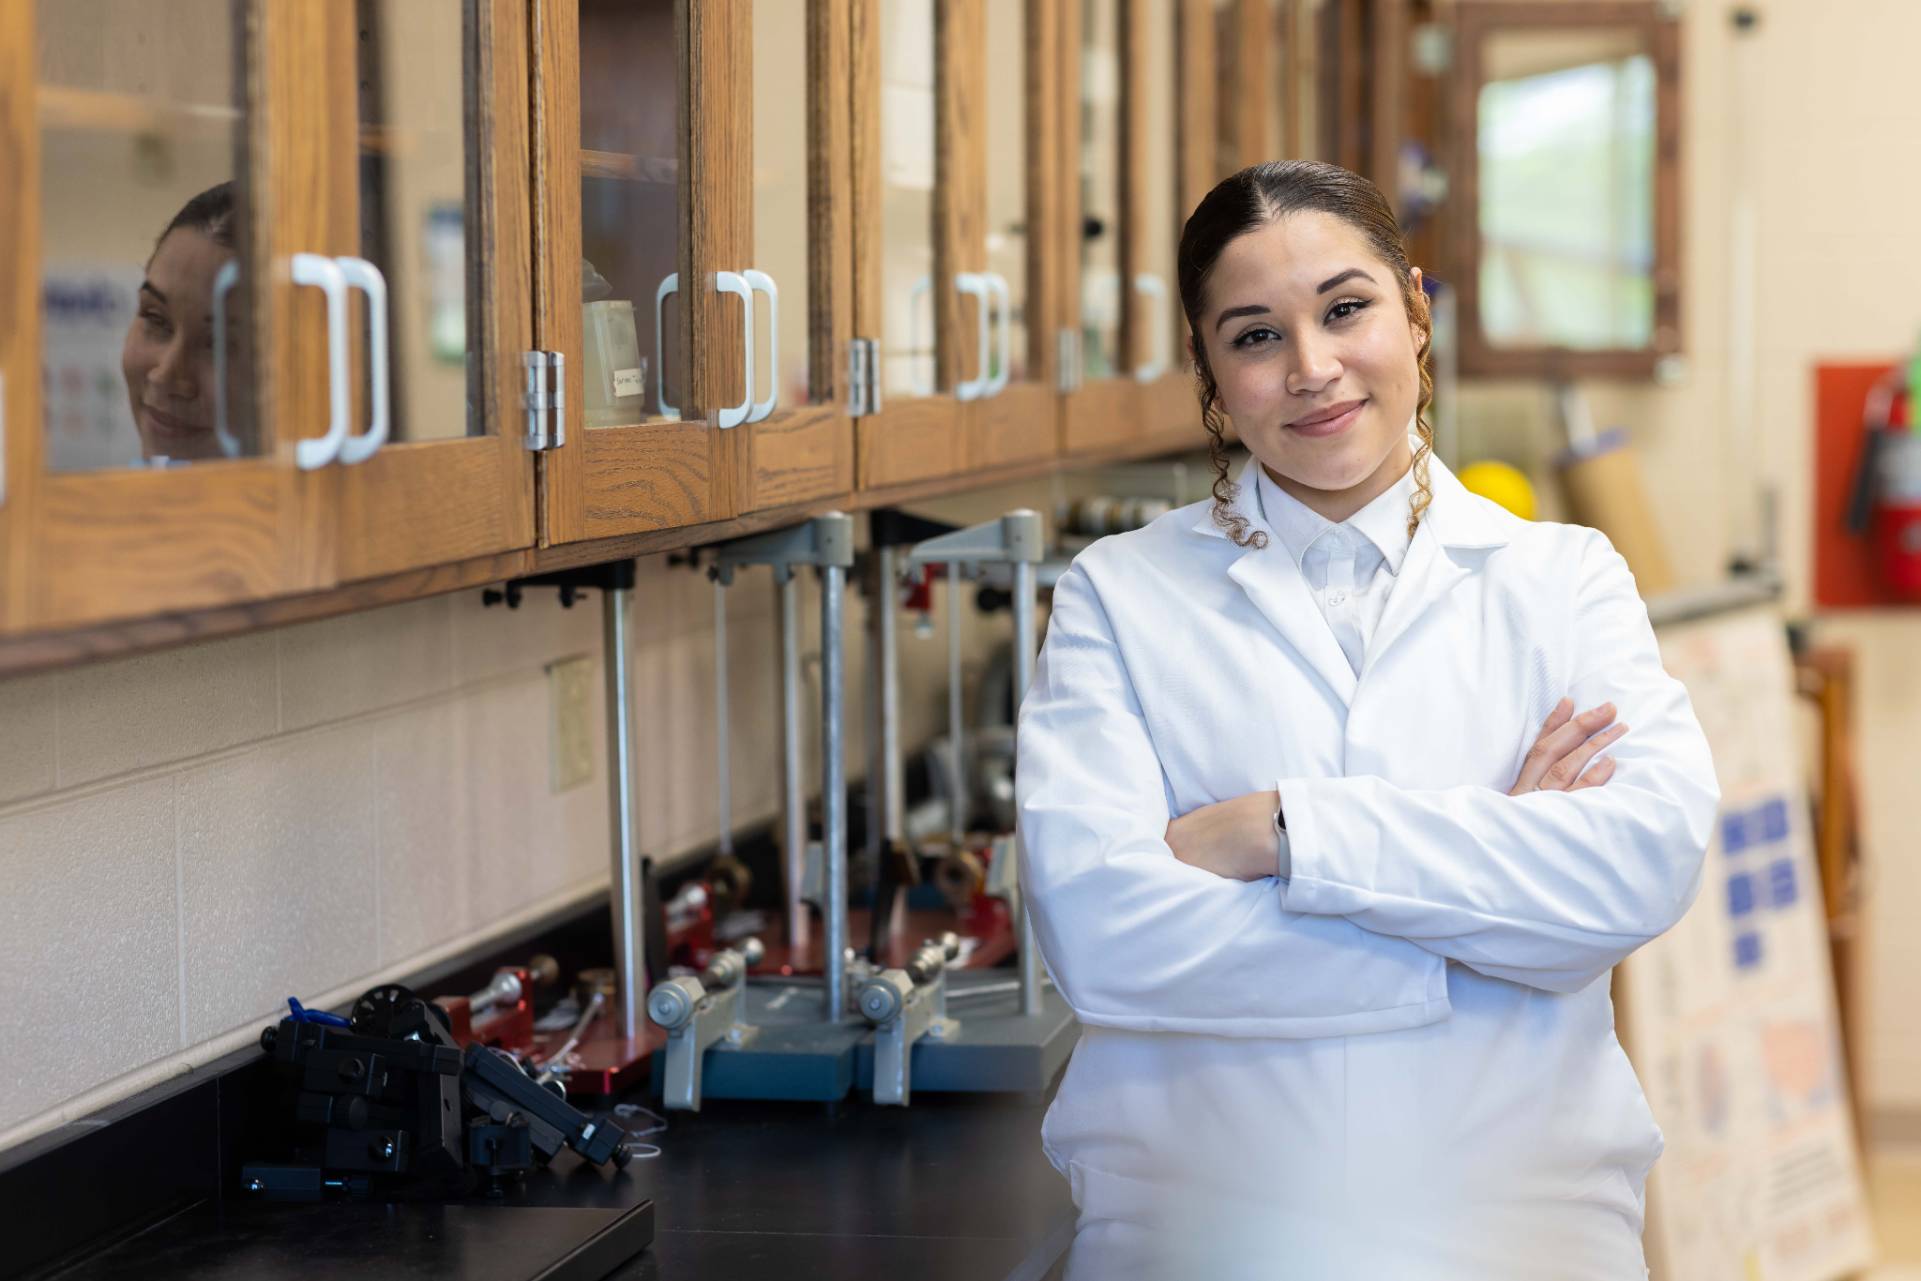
[
  {"x": 623, "y": 292},
  {"x": 794, "y": 134},
  {"x": 170, "y": 227},
  {"x": 906, "y": 299},
  {"x": 1101, "y": 405},
  {"x": 435, "y": 467},
  {"x": 1159, "y": 115},
  {"x": 1012, "y": 80}
]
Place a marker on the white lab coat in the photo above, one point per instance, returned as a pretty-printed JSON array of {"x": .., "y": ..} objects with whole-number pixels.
[{"x": 1400, "y": 1063}]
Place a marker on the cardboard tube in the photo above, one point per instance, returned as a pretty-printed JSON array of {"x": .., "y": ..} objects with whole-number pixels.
[{"x": 1602, "y": 480}]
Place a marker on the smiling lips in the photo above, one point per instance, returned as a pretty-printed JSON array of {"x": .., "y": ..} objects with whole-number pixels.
[{"x": 1328, "y": 422}]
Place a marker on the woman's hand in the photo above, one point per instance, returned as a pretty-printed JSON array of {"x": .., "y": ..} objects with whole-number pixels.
[
  {"x": 1235, "y": 838},
  {"x": 1232, "y": 838},
  {"x": 1565, "y": 746}
]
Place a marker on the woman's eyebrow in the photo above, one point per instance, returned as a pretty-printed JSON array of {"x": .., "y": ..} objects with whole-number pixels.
[
  {"x": 146, "y": 287},
  {"x": 1349, "y": 274},
  {"x": 1251, "y": 309}
]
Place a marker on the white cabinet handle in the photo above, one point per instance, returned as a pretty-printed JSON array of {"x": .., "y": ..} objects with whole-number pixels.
[
  {"x": 761, "y": 282},
  {"x": 1155, "y": 288},
  {"x": 223, "y": 282},
  {"x": 970, "y": 282},
  {"x": 324, "y": 273},
  {"x": 363, "y": 275},
  {"x": 732, "y": 282},
  {"x": 671, "y": 285},
  {"x": 997, "y": 283}
]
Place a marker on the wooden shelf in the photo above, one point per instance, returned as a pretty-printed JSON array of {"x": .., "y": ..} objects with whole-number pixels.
[{"x": 622, "y": 167}]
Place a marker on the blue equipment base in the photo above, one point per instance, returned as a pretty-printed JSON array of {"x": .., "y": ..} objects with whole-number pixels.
[
  {"x": 997, "y": 1050},
  {"x": 796, "y": 1055}
]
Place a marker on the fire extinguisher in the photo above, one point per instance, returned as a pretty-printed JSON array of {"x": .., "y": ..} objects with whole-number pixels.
[{"x": 1886, "y": 504}]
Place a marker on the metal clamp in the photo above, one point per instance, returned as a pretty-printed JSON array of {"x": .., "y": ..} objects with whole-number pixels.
[
  {"x": 324, "y": 273},
  {"x": 1018, "y": 540},
  {"x": 905, "y": 1005},
  {"x": 363, "y": 275},
  {"x": 827, "y": 543},
  {"x": 698, "y": 1013}
]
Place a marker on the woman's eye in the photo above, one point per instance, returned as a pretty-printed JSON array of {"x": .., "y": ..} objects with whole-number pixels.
[
  {"x": 154, "y": 321},
  {"x": 1256, "y": 336},
  {"x": 1345, "y": 308}
]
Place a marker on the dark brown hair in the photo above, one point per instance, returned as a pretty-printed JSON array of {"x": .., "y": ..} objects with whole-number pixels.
[
  {"x": 211, "y": 213},
  {"x": 1250, "y": 199}
]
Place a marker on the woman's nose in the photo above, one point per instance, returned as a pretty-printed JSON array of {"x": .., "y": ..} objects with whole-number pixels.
[
  {"x": 175, "y": 372},
  {"x": 1316, "y": 366}
]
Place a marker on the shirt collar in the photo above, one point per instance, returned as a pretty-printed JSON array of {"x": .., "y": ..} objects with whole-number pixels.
[
  {"x": 1457, "y": 517},
  {"x": 1382, "y": 522}
]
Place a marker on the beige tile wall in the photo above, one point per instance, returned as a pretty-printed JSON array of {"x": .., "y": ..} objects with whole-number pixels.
[{"x": 188, "y": 838}]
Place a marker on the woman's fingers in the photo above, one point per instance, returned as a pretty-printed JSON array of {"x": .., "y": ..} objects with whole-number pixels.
[
  {"x": 1564, "y": 773},
  {"x": 1603, "y": 771},
  {"x": 1561, "y": 734}
]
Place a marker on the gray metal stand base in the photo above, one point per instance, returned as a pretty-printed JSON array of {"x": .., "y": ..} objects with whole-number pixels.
[
  {"x": 793, "y": 1055},
  {"x": 997, "y": 1049}
]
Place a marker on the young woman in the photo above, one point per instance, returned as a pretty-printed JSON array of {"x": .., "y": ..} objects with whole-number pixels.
[
  {"x": 1315, "y": 843},
  {"x": 167, "y": 357}
]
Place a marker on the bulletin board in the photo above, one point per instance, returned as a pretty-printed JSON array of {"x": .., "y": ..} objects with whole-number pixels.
[{"x": 1730, "y": 1018}]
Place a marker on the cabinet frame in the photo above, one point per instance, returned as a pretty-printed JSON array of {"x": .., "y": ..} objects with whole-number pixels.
[
  {"x": 430, "y": 502},
  {"x": 804, "y": 452},
  {"x": 89, "y": 547},
  {"x": 654, "y": 474},
  {"x": 1100, "y": 411}
]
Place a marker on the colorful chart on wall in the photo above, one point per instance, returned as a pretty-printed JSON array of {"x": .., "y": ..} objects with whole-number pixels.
[{"x": 1730, "y": 1018}]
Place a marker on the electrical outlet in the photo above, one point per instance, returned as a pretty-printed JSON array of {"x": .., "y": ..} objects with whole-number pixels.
[{"x": 570, "y": 744}]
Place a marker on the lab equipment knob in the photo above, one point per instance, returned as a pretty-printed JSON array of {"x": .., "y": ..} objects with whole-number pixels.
[
  {"x": 673, "y": 1003},
  {"x": 882, "y": 996}
]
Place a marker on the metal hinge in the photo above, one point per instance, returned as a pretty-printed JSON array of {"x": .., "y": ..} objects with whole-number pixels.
[
  {"x": 545, "y": 399},
  {"x": 1068, "y": 360},
  {"x": 863, "y": 377}
]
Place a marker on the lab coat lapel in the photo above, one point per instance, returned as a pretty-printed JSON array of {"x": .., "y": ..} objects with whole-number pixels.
[
  {"x": 1274, "y": 584},
  {"x": 1455, "y": 528}
]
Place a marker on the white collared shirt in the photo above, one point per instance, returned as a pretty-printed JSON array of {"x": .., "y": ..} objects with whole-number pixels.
[{"x": 1343, "y": 564}]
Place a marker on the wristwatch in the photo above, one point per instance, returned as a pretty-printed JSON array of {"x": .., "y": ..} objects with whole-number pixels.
[{"x": 1285, "y": 861}]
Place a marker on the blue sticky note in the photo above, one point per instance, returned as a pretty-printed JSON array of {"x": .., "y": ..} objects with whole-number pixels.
[
  {"x": 1774, "y": 820},
  {"x": 1740, "y": 894},
  {"x": 1734, "y": 833},
  {"x": 1747, "y": 951},
  {"x": 1781, "y": 882}
]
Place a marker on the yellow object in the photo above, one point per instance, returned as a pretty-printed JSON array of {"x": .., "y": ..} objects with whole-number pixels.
[{"x": 1504, "y": 484}]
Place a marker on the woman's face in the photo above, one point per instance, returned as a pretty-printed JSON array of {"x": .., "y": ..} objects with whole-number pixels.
[
  {"x": 168, "y": 355},
  {"x": 1315, "y": 357}
]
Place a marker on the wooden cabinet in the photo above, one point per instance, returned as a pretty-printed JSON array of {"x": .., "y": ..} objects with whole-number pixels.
[
  {"x": 438, "y": 183},
  {"x": 165, "y": 206},
  {"x": 718, "y": 215},
  {"x": 273, "y": 286}
]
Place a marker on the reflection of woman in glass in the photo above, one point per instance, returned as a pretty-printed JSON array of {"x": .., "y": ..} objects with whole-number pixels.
[{"x": 168, "y": 355}]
